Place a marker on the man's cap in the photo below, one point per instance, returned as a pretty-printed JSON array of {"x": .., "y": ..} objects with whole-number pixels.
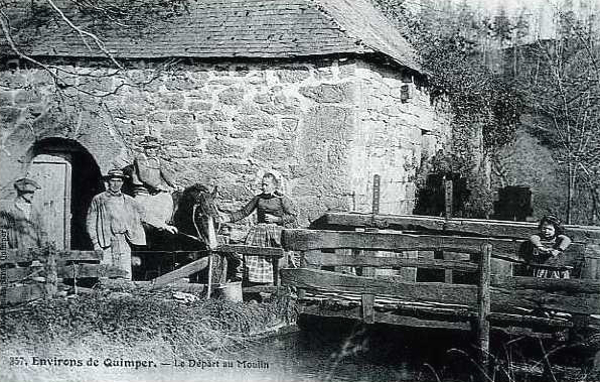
[
  {"x": 150, "y": 141},
  {"x": 115, "y": 173},
  {"x": 26, "y": 185}
]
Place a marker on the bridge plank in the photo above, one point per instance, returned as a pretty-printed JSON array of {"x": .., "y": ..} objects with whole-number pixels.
[
  {"x": 26, "y": 255},
  {"x": 12, "y": 275},
  {"x": 316, "y": 259},
  {"x": 325, "y": 280},
  {"x": 583, "y": 286},
  {"x": 250, "y": 250},
  {"x": 182, "y": 272},
  {"x": 497, "y": 228},
  {"x": 355, "y": 313},
  {"x": 90, "y": 270},
  {"x": 18, "y": 294},
  {"x": 502, "y": 299},
  {"x": 306, "y": 240}
]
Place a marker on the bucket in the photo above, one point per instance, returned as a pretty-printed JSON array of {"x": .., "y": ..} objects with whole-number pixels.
[{"x": 229, "y": 291}]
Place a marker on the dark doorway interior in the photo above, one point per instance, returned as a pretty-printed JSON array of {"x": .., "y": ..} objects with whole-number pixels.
[{"x": 85, "y": 182}]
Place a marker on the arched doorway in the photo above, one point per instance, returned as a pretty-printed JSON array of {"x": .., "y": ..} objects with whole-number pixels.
[{"x": 69, "y": 177}]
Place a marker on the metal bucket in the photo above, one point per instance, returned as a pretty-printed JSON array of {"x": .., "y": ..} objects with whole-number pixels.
[{"x": 229, "y": 291}]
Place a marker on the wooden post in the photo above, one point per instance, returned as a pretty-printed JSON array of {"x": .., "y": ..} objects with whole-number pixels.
[
  {"x": 368, "y": 312},
  {"x": 376, "y": 193},
  {"x": 483, "y": 301},
  {"x": 51, "y": 274},
  {"x": 212, "y": 244},
  {"x": 275, "y": 262},
  {"x": 448, "y": 198},
  {"x": 209, "y": 282}
]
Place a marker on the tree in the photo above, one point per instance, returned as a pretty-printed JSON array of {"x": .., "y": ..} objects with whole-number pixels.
[
  {"x": 454, "y": 47},
  {"x": 560, "y": 81}
]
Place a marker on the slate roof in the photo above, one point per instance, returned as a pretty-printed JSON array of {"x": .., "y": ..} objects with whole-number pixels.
[{"x": 226, "y": 29}]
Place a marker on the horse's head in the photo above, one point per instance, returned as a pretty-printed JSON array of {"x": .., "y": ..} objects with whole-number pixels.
[{"x": 197, "y": 213}]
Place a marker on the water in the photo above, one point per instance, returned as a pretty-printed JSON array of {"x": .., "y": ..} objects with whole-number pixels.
[
  {"x": 334, "y": 351},
  {"x": 338, "y": 351}
]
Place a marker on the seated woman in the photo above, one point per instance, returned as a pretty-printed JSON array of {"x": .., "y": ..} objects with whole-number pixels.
[
  {"x": 548, "y": 248},
  {"x": 274, "y": 211}
]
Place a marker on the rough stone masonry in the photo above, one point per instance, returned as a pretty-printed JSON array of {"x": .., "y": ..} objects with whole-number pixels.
[{"x": 327, "y": 125}]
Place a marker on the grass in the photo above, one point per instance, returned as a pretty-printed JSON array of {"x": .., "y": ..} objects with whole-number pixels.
[{"x": 136, "y": 324}]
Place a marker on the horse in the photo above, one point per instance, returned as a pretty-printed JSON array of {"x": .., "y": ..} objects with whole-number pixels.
[{"x": 196, "y": 218}]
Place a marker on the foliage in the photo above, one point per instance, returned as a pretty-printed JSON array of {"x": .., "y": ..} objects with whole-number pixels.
[
  {"x": 143, "y": 315},
  {"x": 493, "y": 72},
  {"x": 560, "y": 81},
  {"x": 453, "y": 44}
]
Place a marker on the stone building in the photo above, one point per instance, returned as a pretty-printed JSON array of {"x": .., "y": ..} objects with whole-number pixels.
[{"x": 325, "y": 92}]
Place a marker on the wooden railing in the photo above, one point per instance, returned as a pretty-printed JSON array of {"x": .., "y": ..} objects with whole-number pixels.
[
  {"x": 36, "y": 273},
  {"x": 507, "y": 302}
]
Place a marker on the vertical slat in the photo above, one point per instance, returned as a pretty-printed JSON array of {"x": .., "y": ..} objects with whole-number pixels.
[
  {"x": 409, "y": 273},
  {"x": 581, "y": 320},
  {"x": 448, "y": 276},
  {"x": 483, "y": 325},
  {"x": 276, "y": 265},
  {"x": 368, "y": 311},
  {"x": 301, "y": 293},
  {"x": 376, "y": 193},
  {"x": 209, "y": 281},
  {"x": 344, "y": 268},
  {"x": 448, "y": 198},
  {"x": 367, "y": 271},
  {"x": 51, "y": 274}
]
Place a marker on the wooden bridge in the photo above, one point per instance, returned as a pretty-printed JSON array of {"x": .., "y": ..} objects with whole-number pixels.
[{"x": 362, "y": 272}]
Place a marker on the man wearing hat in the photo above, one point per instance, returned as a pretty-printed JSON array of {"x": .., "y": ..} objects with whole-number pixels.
[
  {"x": 114, "y": 221},
  {"x": 22, "y": 223}
]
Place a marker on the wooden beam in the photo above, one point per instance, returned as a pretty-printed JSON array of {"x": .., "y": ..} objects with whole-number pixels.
[
  {"x": 26, "y": 255},
  {"x": 317, "y": 259},
  {"x": 503, "y": 249},
  {"x": 382, "y": 221},
  {"x": 497, "y": 228},
  {"x": 527, "y": 320},
  {"x": 90, "y": 270},
  {"x": 501, "y": 298},
  {"x": 436, "y": 292},
  {"x": 303, "y": 240},
  {"x": 184, "y": 271},
  {"x": 549, "y": 285},
  {"x": 13, "y": 275},
  {"x": 355, "y": 313},
  {"x": 18, "y": 294},
  {"x": 250, "y": 250},
  {"x": 518, "y": 331},
  {"x": 574, "y": 303}
]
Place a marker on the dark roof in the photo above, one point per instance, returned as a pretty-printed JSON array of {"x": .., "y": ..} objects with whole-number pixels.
[{"x": 222, "y": 29}]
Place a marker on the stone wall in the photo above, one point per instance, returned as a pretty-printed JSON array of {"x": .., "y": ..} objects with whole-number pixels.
[
  {"x": 326, "y": 126},
  {"x": 393, "y": 136}
]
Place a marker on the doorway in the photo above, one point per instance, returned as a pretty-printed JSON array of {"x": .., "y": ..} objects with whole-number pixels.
[{"x": 69, "y": 177}]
